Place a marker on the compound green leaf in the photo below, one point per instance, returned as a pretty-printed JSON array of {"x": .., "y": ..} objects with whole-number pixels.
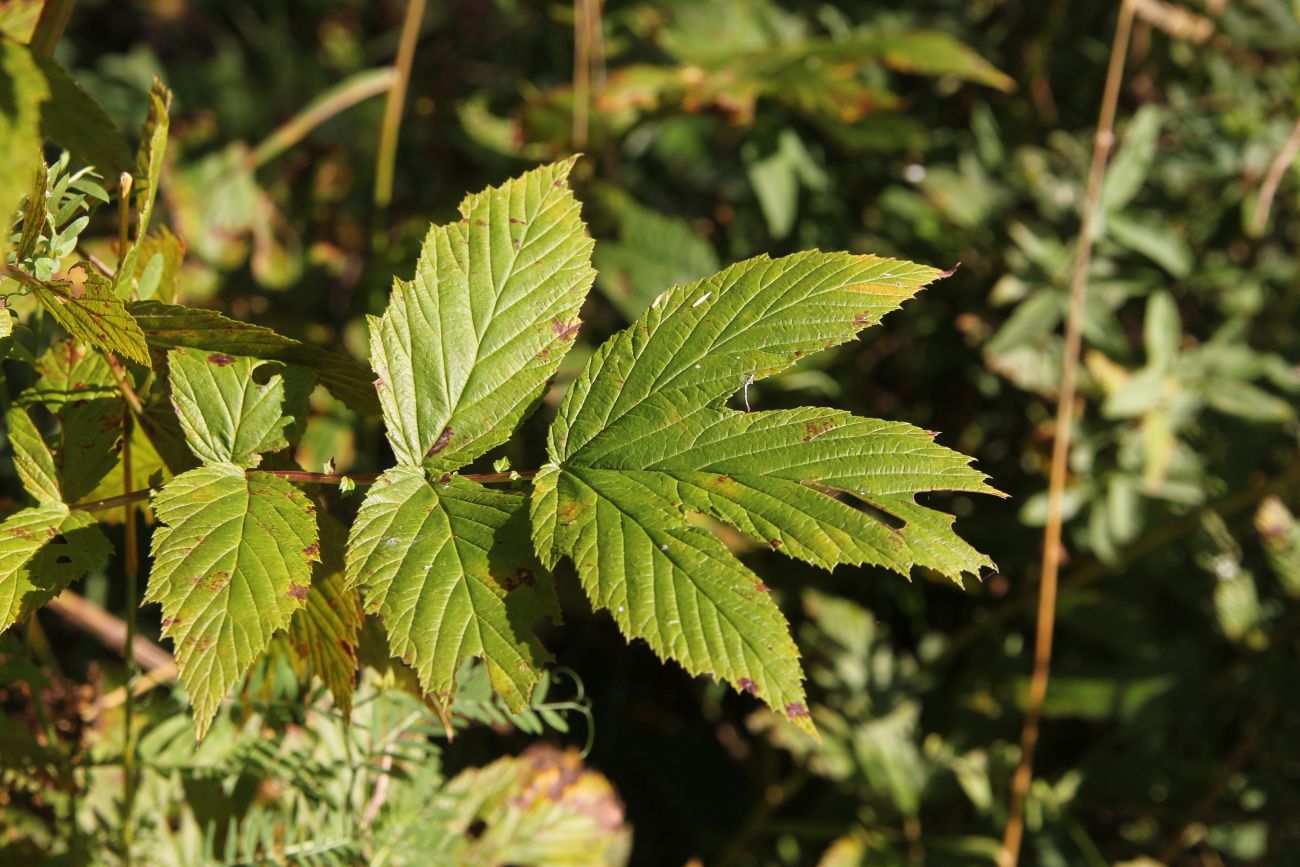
[
  {"x": 448, "y": 567},
  {"x": 464, "y": 350},
  {"x": 643, "y": 437},
  {"x": 168, "y": 326},
  {"x": 42, "y": 551},
  {"x": 227, "y": 416},
  {"x": 232, "y": 562},
  {"x": 88, "y": 310},
  {"x": 32, "y": 458}
]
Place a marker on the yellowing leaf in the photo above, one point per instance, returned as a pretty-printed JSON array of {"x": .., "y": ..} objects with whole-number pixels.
[
  {"x": 42, "y": 551},
  {"x": 89, "y": 311}
]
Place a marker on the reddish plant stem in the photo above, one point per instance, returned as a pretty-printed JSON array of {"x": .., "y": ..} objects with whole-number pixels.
[
  {"x": 1065, "y": 409},
  {"x": 304, "y": 477}
]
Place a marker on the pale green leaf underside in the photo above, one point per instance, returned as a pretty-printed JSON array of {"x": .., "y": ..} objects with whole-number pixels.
[
  {"x": 466, "y": 347},
  {"x": 226, "y": 415},
  {"x": 232, "y": 563},
  {"x": 42, "y": 551},
  {"x": 449, "y": 568},
  {"x": 91, "y": 313},
  {"x": 643, "y": 437}
]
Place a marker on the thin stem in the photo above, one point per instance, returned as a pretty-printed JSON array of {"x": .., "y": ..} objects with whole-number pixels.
[
  {"x": 124, "y": 385},
  {"x": 113, "y": 502},
  {"x": 347, "y": 93},
  {"x": 1105, "y": 139},
  {"x": 50, "y": 26},
  {"x": 367, "y": 478},
  {"x": 306, "y": 478},
  {"x": 1276, "y": 171},
  {"x": 387, "y": 157},
  {"x": 131, "y": 565},
  {"x": 19, "y": 276},
  {"x": 582, "y": 18}
]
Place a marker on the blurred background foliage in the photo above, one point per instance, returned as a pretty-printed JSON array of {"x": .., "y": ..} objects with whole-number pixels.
[{"x": 951, "y": 133}]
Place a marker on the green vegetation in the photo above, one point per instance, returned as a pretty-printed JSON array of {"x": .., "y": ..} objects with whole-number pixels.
[{"x": 611, "y": 517}]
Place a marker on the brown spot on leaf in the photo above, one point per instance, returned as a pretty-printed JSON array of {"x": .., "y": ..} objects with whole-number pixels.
[
  {"x": 443, "y": 440},
  {"x": 220, "y": 359},
  {"x": 762, "y": 588},
  {"x": 863, "y": 319},
  {"x": 565, "y": 330},
  {"x": 298, "y": 591},
  {"x": 380, "y": 385},
  {"x": 518, "y": 221},
  {"x": 312, "y": 550},
  {"x": 521, "y": 577},
  {"x": 796, "y": 710},
  {"x": 814, "y": 429},
  {"x": 747, "y": 685}
]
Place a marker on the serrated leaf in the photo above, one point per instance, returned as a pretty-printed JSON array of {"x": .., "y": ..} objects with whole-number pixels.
[
  {"x": 22, "y": 91},
  {"x": 449, "y": 568},
  {"x": 324, "y": 634},
  {"x": 73, "y": 119},
  {"x": 148, "y": 171},
  {"x": 42, "y": 551},
  {"x": 227, "y": 416},
  {"x": 88, "y": 310},
  {"x": 168, "y": 326},
  {"x": 232, "y": 561},
  {"x": 464, "y": 350},
  {"x": 78, "y": 387},
  {"x": 32, "y": 458},
  {"x": 643, "y": 437}
]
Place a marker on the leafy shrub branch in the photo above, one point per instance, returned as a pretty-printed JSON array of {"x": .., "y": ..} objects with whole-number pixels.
[{"x": 643, "y": 442}]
